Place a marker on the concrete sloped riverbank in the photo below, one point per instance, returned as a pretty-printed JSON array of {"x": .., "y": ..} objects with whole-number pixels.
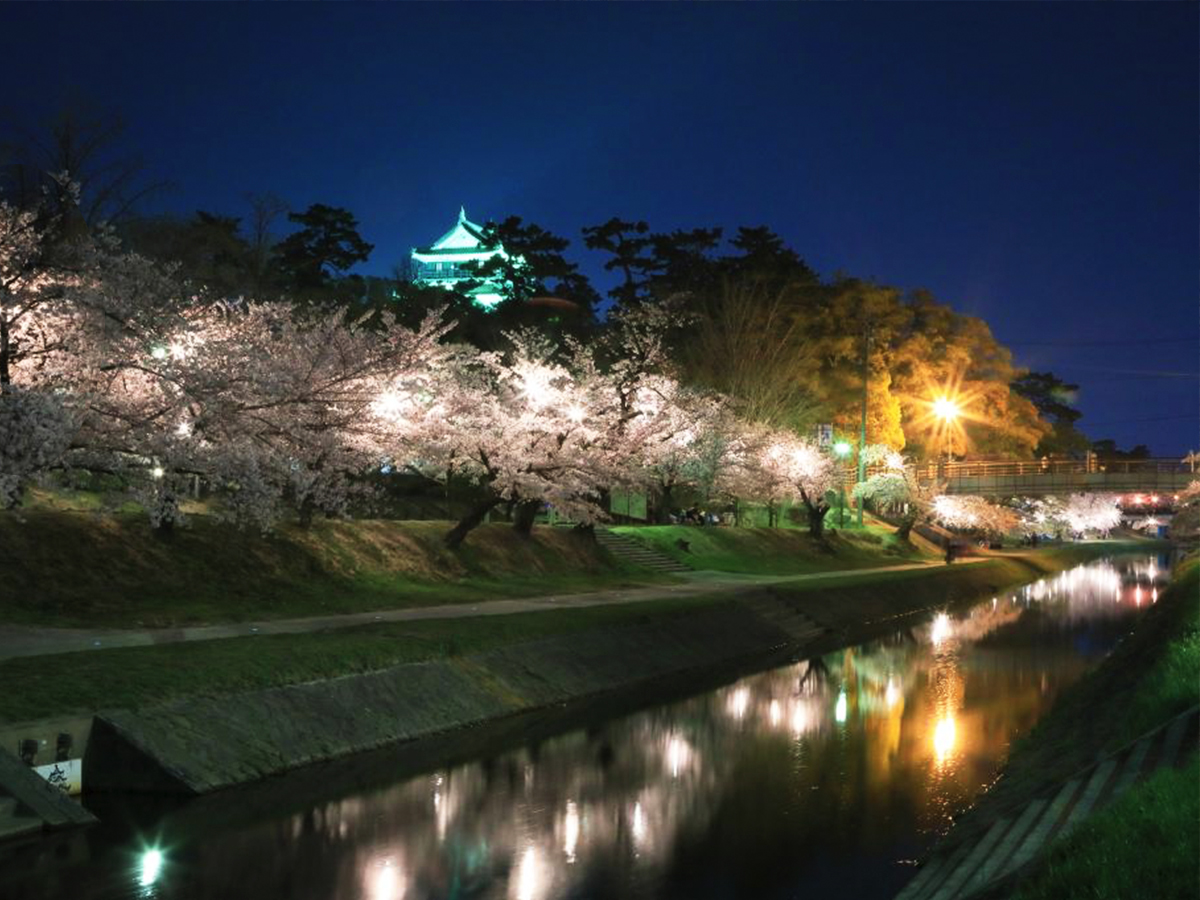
[{"x": 201, "y": 744}]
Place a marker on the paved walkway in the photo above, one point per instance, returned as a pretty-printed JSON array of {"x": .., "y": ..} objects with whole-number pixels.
[{"x": 16, "y": 640}]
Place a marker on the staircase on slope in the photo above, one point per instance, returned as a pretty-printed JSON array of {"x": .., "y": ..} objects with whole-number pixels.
[
  {"x": 785, "y": 616},
  {"x": 1012, "y": 842},
  {"x": 637, "y": 553}
]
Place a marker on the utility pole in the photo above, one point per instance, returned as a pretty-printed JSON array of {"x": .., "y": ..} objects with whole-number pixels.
[{"x": 862, "y": 431}]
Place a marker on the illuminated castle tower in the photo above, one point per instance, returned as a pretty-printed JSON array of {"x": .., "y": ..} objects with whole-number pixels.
[{"x": 441, "y": 263}]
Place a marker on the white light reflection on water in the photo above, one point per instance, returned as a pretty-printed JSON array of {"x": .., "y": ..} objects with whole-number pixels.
[
  {"x": 151, "y": 868},
  {"x": 385, "y": 880},
  {"x": 941, "y": 629},
  {"x": 943, "y": 739},
  {"x": 529, "y": 875},
  {"x": 679, "y": 755},
  {"x": 570, "y": 831}
]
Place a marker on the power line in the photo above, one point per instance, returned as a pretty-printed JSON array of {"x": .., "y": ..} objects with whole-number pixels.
[
  {"x": 1090, "y": 424},
  {"x": 1120, "y": 343},
  {"x": 1142, "y": 373}
]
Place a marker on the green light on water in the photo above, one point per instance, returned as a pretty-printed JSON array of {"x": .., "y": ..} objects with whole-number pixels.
[
  {"x": 152, "y": 861},
  {"x": 839, "y": 711}
]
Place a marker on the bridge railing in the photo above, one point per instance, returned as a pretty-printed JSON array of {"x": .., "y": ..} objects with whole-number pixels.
[{"x": 943, "y": 471}]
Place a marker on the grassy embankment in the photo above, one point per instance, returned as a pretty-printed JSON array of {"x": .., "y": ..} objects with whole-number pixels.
[
  {"x": 1151, "y": 836},
  {"x": 67, "y": 568},
  {"x": 775, "y": 551},
  {"x": 1147, "y": 844},
  {"x": 136, "y": 676}
]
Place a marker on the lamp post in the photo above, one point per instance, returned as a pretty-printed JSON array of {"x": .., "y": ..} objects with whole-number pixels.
[
  {"x": 842, "y": 449},
  {"x": 862, "y": 430},
  {"x": 946, "y": 410}
]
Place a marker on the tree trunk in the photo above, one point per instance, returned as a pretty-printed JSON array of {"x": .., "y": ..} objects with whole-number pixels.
[
  {"x": 816, "y": 520},
  {"x": 662, "y": 515},
  {"x": 308, "y": 509},
  {"x": 526, "y": 512},
  {"x": 468, "y": 523},
  {"x": 904, "y": 529}
]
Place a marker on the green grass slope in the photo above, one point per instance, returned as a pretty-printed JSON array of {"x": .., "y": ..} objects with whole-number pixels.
[
  {"x": 72, "y": 568},
  {"x": 1147, "y": 844},
  {"x": 773, "y": 551}
]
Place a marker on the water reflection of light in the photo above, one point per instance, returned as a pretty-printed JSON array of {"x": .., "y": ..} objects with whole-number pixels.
[
  {"x": 570, "y": 831},
  {"x": 668, "y": 771},
  {"x": 639, "y": 823},
  {"x": 941, "y": 629},
  {"x": 892, "y": 693},
  {"x": 152, "y": 861},
  {"x": 679, "y": 755},
  {"x": 943, "y": 739},
  {"x": 528, "y": 875},
  {"x": 388, "y": 883},
  {"x": 738, "y": 701}
]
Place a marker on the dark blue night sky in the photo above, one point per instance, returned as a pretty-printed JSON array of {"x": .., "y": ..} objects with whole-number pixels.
[{"x": 1034, "y": 164}]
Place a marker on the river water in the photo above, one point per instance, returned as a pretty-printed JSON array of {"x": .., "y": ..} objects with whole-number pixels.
[{"x": 826, "y": 777}]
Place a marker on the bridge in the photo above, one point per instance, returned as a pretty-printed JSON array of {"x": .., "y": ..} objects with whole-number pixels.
[{"x": 1140, "y": 478}]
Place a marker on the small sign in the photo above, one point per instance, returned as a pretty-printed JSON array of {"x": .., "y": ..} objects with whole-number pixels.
[
  {"x": 824, "y": 435},
  {"x": 66, "y": 775}
]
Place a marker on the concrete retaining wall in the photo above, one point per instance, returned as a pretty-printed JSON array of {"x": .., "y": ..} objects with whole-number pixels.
[{"x": 203, "y": 744}]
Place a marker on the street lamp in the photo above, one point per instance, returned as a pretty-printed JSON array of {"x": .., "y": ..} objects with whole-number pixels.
[
  {"x": 842, "y": 449},
  {"x": 946, "y": 410}
]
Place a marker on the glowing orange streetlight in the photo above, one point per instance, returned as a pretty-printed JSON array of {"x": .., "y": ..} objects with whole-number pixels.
[{"x": 946, "y": 410}]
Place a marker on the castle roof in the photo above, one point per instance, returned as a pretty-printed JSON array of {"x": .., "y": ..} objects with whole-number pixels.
[{"x": 465, "y": 236}]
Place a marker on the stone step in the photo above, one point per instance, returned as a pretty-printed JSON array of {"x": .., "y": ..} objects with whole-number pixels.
[
  {"x": 1132, "y": 767},
  {"x": 991, "y": 866},
  {"x": 1174, "y": 740},
  {"x": 639, "y": 554},
  {"x": 928, "y": 872},
  {"x": 975, "y": 878},
  {"x": 1037, "y": 837},
  {"x": 1090, "y": 794},
  {"x": 956, "y": 879},
  {"x": 935, "y": 882}
]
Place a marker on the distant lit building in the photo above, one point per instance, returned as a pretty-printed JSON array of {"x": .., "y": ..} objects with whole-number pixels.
[{"x": 441, "y": 264}]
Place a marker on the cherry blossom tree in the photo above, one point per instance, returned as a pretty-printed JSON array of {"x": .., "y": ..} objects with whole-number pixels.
[
  {"x": 1185, "y": 524},
  {"x": 972, "y": 513},
  {"x": 896, "y": 489},
  {"x": 525, "y": 428},
  {"x": 793, "y": 467},
  {"x": 1094, "y": 512}
]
